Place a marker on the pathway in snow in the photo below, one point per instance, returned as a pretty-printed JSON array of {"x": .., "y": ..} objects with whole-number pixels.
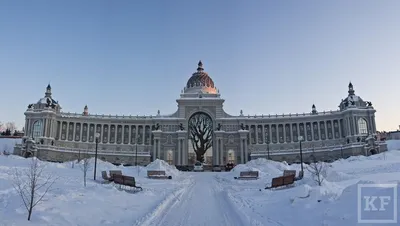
[{"x": 201, "y": 203}]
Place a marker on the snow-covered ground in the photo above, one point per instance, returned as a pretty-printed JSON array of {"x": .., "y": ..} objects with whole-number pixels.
[{"x": 199, "y": 198}]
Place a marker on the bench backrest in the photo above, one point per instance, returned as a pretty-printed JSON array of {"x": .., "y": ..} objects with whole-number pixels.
[
  {"x": 289, "y": 172},
  {"x": 289, "y": 179},
  {"x": 115, "y": 172},
  {"x": 249, "y": 174},
  {"x": 130, "y": 181},
  {"x": 155, "y": 173},
  {"x": 124, "y": 180},
  {"x": 118, "y": 179},
  {"x": 277, "y": 181}
]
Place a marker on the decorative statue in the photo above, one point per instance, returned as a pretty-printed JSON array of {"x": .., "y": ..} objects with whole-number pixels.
[
  {"x": 346, "y": 104},
  {"x": 48, "y": 101},
  {"x": 219, "y": 127},
  {"x": 241, "y": 112},
  {"x": 157, "y": 126},
  {"x": 242, "y": 127},
  {"x": 369, "y": 104},
  {"x": 181, "y": 126},
  {"x": 30, "y": 106},
  {"x": 353, "y": 102},
  {"x": 358, "y": 139}
]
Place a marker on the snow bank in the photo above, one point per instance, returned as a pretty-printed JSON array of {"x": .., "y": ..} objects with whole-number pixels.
[
  {"x": 8, "y": 144},
  {"x": 393, "y": 144},
  {"x": 266, "y": 168},
  {"x": 163, "y": 165}
]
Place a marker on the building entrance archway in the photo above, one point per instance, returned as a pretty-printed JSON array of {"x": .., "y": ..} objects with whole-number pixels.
[{"x": 200, "y": 137}]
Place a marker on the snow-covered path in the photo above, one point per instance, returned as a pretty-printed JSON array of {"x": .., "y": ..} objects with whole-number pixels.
[{"x": 203, "y": 202}]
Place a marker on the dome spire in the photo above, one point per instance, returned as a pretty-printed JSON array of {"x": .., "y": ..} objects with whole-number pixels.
[
  {"x": 200, "y": 66},
  {"x": 48, "y": 91},
  {"x": 351, "y": 90}
]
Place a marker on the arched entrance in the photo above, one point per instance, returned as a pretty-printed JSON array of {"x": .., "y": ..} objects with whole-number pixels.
[
  {"x": 231, "y": 158},
  {"x": 373, "y": 152},
  {"x": 170, "y": 157},
  {"x": 200, "y": 129}
]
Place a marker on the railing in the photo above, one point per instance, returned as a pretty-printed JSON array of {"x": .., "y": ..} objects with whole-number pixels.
[
  {"x": 92, "y": 151},
  {"x": 74, "y": 115},
  {"x": 308, "y": 150}
]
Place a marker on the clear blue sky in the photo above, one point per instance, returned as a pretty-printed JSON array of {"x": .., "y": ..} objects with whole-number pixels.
[{"x": 134, "y": 57}]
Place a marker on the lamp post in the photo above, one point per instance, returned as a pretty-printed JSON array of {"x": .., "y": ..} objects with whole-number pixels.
[
  {"x": 268, "y": 149},
  {"x": 95, "y": 155},
  {"x": 137, "y": 168},
  {"x": 300, "y": 138}
]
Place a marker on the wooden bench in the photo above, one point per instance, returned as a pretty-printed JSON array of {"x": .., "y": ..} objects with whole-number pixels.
[
  {"x": 157, "y": 174},
  {"x": 114, "y": 172},
  {"x": 126, "y": 181},
  {"x": 248, "y": 175},
  {"x": 289, "y": 172},
  {"x": 282, "y": 181}
]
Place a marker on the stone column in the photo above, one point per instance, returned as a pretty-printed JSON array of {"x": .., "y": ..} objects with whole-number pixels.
[
  {"x": 312, "y": 131},
  {"x": 263, "y": 134},
  {"x": 73, "y": 129},
  {"x": 182, "y": 152},
  {"x": 243, "y": 145},
  {"x": 179, "y": 152},
  {"x": 215, "y": 158},
  {"x": 241, "y": 150},
  {"x": 144, "y": 135},
  {"x": 59, "y": 130},
  {"x": 154, "y": 150},
  {"x": 219, "y": 136},
  {"x": 157, "y": 143},
  {"x": 256, "y": 133},
  {"x": 159, "y": 149},
  {"x": 222, "y": 152},
  {"x": 284, "y": 133}
]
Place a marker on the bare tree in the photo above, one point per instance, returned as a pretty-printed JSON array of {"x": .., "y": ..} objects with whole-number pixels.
[
  {"x": 11, "y": 126},
  {"x": 32, "y": 185},
  {"x": 85, "y": 166},
  {"x": 317, "y": 170},
  {"x": 200, "y": 134}
]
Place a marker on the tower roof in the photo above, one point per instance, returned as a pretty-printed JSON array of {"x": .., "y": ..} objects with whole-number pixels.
[{"x": 200, "y": 81}]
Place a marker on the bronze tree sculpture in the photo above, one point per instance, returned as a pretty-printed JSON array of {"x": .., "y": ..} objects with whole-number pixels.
[{"x": 200, "y": 134}]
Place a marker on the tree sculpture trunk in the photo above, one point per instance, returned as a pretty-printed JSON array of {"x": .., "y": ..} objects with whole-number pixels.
[{"x": 200, "y": 134}]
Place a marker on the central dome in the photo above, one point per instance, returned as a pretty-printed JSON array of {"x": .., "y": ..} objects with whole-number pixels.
[{"x": 200, "y": 82}]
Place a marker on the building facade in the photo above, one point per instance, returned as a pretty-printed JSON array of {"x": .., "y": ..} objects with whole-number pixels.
[{"x": 54, "y": 135}]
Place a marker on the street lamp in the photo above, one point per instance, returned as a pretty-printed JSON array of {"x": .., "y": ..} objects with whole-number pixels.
[
  {"x": 95, "y": 155},
  {"x": 268, "y": 149},
  {"x": 136, "y": 156},
  {"x": 300, "y": 138}
]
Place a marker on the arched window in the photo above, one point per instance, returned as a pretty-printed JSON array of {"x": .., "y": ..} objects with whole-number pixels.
[
  {"x": 37, "y": 129},
  {"x": 362, "y": 126}
]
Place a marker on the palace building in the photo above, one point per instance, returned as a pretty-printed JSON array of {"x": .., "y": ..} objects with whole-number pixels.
[{"x": 55, "y": 135}]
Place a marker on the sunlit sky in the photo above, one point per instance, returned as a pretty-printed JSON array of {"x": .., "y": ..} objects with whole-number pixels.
[{"x": 134, "y": 57}]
